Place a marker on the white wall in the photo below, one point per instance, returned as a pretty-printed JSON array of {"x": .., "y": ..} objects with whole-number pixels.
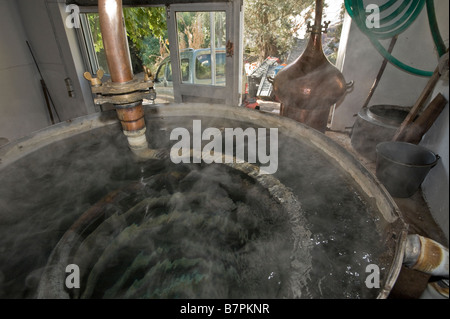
[
  {"x": 436, "y": 186},
  {"x": 44, "y": 23},
  {"x": 22, "y": 103},
  {"x": 414, "y": 47}
]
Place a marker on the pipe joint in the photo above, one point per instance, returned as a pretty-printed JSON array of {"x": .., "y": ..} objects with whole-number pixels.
[
  {"x": 131, "y": 118},
  {"x": 136, "y": 139},
  {"x": 128, "y": 105},
  {"x": 125, "y": 90},
  {"x": 121, "y": 93}
]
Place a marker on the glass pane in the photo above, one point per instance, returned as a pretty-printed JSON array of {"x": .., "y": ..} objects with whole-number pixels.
[
  {"x": 169, "y": 72},
  {"x": 185, "y": 69},
  {"x": 201, "y": 41},
  {"x": 146, "y": 29},
  {"x": 161, "y": 74},
  {"x": 146, "y": 34},
  {"x": 94, "y": 26}
]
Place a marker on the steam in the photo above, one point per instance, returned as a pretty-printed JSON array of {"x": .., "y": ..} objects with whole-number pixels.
[
  {"x": 234, "y": 146},
  {"x": 274, "y": 253},
  {"x": 199, "y": 232},
  {"x": 43, "y": 194}
]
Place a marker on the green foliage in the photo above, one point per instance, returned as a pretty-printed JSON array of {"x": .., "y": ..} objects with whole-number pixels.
[
  {"x": 194, "y": 29},
  {"x": 94, "y": 23},
  {"x": 191, "y": 28},
  {"x": 144, "y": 22},
  {"x": 147, "y": 33},
  {"x": 147, "y": 30},
  {"x": 270, "y": 27}
]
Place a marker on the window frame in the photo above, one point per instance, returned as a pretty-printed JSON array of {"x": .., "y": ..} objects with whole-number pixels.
[
  {"x": 230, "y": 94},
  {"x": 86, "y": 42}
]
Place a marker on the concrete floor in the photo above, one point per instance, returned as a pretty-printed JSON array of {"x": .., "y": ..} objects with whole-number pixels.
[{"x": 410, "y": 283}]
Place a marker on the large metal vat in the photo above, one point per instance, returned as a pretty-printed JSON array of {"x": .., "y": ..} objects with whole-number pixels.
[{"x": 67, "y": 193}]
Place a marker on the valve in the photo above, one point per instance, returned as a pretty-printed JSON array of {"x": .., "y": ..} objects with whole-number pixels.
[
  {"x": 148, "y": 76},
  {"x": 95, "y": 81},
  {"x": 317, "y": 29}
]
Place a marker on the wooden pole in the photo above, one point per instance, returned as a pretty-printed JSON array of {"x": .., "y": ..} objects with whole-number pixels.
[
  {"x": 413, "y": 132},
  {"x": 415, "y": 110},
  {"x": 380, "y": 73}
]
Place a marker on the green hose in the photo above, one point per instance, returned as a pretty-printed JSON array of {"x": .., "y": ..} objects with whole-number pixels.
[
  {"x": 440, "y": 45},
  {"x": 403, "y": 20}
]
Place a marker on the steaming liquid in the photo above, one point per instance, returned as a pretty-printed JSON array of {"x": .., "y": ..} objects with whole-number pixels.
[
  {"x": 190, "y": 232},
  {"x": 207, "y": 239}
]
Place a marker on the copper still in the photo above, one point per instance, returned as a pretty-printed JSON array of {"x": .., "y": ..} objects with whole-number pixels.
[{"x": 309, "y": 86}]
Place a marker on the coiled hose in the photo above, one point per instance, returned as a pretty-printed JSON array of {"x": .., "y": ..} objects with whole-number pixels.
[{"x": 400, "y": 18}]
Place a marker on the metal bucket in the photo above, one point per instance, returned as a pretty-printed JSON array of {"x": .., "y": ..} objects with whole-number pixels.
[
  {"x": 402, "y": 167},
  {"x": 376, "y": 124},
  {"x": 77, "y": 184}
]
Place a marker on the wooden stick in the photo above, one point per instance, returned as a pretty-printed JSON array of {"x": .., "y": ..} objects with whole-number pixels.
[
  {"x": 380, "y": 73},
  {"x": 413, "y": 132},
  {"x": 415, "y": 110},
  {"x": 46, "y": 96}
]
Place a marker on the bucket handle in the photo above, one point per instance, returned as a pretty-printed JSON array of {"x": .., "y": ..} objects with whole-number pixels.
[
  {"x": 437, "y": 160},
  {"x": 349, "y": 86}
]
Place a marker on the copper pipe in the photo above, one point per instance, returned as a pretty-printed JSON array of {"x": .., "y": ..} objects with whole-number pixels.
[
  {"x": 132, "y": 119},
  {"x": 115, "y": 40},
  {"x": 119, "y": 64}
]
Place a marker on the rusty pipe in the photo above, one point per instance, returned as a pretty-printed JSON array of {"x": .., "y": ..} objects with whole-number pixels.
[
  {"x": 118, "y": 58},
  {"x": 427, "y": 256}
]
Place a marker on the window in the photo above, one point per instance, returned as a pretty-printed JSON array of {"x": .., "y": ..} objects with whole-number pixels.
[
  {"x": 169, "y": 72},
  {"x": 185, "y": 70},
  {"x": 146, "y": 29},
  {"x": 93, "y": 27},
  {"x": 201, "y": 34},
  {"x": 203, "y": 68},
  {"x": 198, "y": 32},
  {"x": 161, "y": 75},
  {"x": 147, "y": 40}
]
